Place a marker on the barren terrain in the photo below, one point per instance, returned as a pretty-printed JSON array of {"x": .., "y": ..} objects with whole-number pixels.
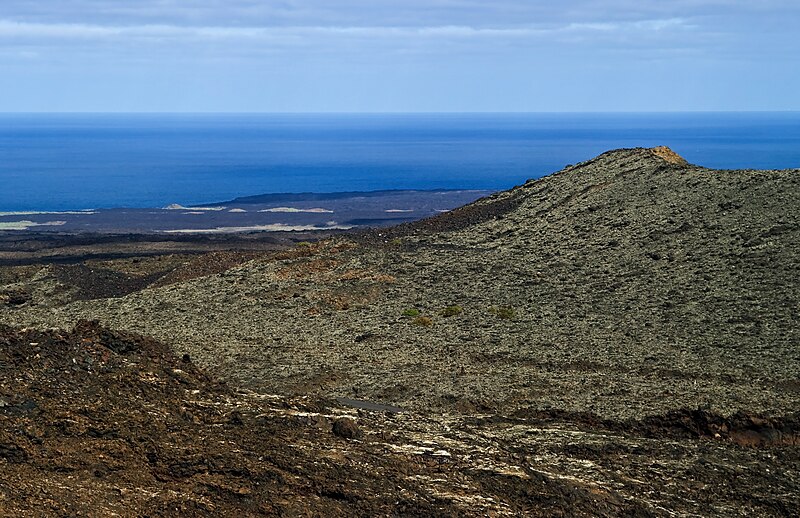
[{"x": 618, "y": 338}]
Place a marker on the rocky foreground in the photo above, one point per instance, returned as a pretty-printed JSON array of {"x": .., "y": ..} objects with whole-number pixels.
[
  {"x": 619, "y": 338},
  {"x": 102, "y": 423}
]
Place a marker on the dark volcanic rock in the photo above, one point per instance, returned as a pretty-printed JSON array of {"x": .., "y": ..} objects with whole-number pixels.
[
  {"x": 15, "y": 297},
  {"x": 346, "y": 428},
  {"x": 91, "y": 428},
  {"x": 116, "y": 431}
]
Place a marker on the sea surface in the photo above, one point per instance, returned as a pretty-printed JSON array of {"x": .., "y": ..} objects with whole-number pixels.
[{"x": 82, "y": 161}]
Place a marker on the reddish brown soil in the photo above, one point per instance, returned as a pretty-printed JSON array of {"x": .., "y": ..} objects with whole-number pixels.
[{"x": 95, "y": 422}]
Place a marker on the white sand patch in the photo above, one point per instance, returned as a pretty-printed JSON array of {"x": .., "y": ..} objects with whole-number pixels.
[
  {"x": 399, "y": 210},
  {"x": 36, "y": 213},
  {"x": 315, "y": 210},
  {"x": 277, "y": 227},
  {"x": 25, "y": 224},
  {"x": 237, "y": 210},
  {"x": 176, "y": 206}
]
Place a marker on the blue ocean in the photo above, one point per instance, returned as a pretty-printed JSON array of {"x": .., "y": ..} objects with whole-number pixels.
[{"x": 71, "y": 161}]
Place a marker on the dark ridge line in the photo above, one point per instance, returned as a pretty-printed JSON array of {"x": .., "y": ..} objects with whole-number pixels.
[
  {"x": 66, "y": 260},
  {"x": 323, "y": 196}
]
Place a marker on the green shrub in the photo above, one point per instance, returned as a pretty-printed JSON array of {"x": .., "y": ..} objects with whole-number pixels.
[
  {"x": 451, "y": 311},
  {"x": 411, "y": 312},
  {"x": 504, "y": 312}
]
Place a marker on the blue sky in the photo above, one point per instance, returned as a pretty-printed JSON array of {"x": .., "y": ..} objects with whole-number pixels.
[{"x": 399, "y": 55}]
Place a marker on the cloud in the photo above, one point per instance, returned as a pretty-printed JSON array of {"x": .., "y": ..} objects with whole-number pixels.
[
  {"x": 375, "y": 55},
  {"x": 474, "y": 13},
  {"x": 12, "y": 30},
  {"x": 276, "y": 24}
]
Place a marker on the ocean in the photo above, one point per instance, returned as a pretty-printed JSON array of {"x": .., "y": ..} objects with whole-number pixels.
[{"x": 80, "y": 161}]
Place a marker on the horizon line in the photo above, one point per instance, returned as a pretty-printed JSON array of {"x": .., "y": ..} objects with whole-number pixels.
[{"x": 446, "y": 112}]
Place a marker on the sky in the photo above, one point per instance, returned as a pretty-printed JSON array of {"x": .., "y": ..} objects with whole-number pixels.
[{"x": 399, "y": 55}]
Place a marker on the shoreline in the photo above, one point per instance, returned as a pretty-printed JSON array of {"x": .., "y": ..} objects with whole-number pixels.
[{"x": 285, "y": 212}]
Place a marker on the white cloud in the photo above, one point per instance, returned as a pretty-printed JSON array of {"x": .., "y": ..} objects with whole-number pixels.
[
  {"x": 375, "y": 12},
  {"x": 65, "y": 31},
  {"x": 393, "y": 55}
]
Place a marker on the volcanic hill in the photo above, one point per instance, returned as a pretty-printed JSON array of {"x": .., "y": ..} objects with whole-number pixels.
[
  {"x": 632, "y": 294},
  {"x": 630, "y": 284}
]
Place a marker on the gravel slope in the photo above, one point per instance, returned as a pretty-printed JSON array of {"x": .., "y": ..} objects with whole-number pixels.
[{"x": 629, "y": 285}]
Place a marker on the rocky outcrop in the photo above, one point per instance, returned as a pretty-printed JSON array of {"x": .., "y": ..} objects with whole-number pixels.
[{"x": 99, "y": 422}]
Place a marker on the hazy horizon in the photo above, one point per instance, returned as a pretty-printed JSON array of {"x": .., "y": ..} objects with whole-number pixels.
[{"x": 487, "y": 112}]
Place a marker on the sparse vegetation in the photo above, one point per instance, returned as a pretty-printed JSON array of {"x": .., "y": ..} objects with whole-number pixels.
[
  {"x": 368, "y": 275},
  {"x": 503, "y": 312},
  {"x": 411, "y": 312},
  {"x": 423, "y": 321},
  {"x": 451, "y": 311}
]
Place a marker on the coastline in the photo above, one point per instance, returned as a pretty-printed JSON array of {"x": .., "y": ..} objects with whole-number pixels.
[
  {"x": 258, "y": 223},
  {"x": 289, "y": 212}
]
